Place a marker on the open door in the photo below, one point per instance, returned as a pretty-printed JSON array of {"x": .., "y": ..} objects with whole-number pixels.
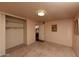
[{"x": 41, "y": 32}]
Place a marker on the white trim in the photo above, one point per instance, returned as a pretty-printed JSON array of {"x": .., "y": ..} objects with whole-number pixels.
[
  {"x": 39, "y": 0},
  {"x": 11, "y": 15}
]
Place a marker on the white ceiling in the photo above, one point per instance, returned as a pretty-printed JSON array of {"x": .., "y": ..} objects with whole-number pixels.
[{"x": 58, "y": 10}]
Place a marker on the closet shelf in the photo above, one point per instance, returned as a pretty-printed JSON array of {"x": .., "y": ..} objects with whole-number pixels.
[{"x": 14, "y": 27}]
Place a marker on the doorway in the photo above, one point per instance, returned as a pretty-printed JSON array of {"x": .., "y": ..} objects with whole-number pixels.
[{"x": 37, "y": 32}]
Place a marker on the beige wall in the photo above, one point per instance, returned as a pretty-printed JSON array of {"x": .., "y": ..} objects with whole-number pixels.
[
  {"x": 14, "y": 36},
  {"x": 76, "y": 44},
  {"x": 64, "y": 32},
  {"x": 2, "y": 35},
  {"x": 30, "y": 31},
  {"x": 76, "y": 41}
]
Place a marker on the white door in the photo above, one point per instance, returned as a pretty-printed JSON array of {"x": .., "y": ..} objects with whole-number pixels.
[{"x": 41, "y": 31}]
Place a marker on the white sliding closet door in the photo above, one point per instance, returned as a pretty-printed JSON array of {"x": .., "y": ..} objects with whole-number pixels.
[{"x": 14, "y": 34}]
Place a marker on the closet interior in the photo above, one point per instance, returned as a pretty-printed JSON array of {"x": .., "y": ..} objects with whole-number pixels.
[{"x": 15, "y": 32}]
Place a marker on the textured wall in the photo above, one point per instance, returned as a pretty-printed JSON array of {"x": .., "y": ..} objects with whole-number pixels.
[
  {"x": 31, "y": 31},
  {"x": 76, "y": 40},
  {"x": 64, "y": 32}
]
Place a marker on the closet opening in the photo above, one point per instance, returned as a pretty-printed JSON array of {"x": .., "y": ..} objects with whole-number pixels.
[{"x": 15, "y": 32}]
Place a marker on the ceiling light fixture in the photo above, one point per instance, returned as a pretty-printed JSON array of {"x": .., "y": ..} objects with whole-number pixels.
[{"x": 41, "y": 12}]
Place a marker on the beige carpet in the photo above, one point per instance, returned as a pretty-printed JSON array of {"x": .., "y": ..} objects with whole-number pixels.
[{"x": 42, "y": 49}]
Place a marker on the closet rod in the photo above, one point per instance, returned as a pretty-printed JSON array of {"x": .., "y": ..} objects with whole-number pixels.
[
  {"x": 14, "y": 27},
  {"x": 14, "y": 22}
]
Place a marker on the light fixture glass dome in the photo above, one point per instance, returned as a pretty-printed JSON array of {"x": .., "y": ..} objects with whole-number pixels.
[{"x": 41, "y": 12}]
